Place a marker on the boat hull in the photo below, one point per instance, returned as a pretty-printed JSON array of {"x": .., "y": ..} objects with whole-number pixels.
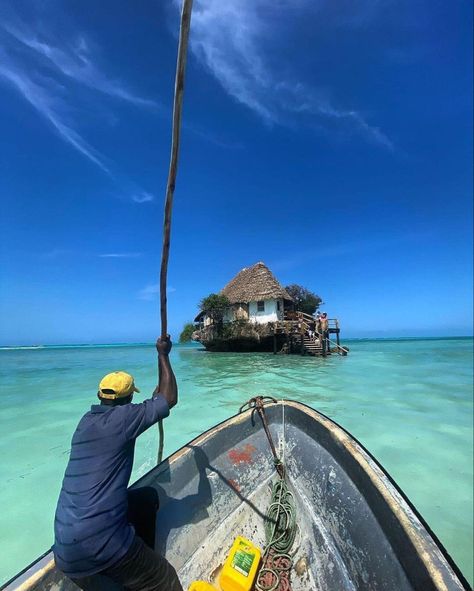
[{"x": 357, "y": 530}]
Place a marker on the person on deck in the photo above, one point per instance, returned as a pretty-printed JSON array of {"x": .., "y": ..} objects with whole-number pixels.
[
  {"x": 103, "y": 532},
  {"x": 324, "y": 323},
  {"x": 318, "y": 323}
]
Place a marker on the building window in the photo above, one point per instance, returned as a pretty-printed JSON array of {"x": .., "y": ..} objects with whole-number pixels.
[
  {"x": 261, "y": 306},
  {"x": 278, "y": 305}
]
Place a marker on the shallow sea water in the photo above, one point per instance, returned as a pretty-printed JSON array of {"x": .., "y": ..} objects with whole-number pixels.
[{"x": 409, "y": 401}]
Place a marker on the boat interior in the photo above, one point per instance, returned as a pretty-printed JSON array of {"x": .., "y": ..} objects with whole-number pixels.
[{"x": 356, "y": 531}]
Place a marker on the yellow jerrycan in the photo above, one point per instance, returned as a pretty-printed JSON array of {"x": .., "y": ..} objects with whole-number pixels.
[
  {"x": 240, "y": 568},
  {"x": 201, "y": 586}
]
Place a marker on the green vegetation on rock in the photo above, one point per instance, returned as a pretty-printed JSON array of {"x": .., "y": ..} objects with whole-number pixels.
[
  {"x": 305, "y": 301},
  {"x": 215, "y": 305},
  {"x": 187, "y": 332}
]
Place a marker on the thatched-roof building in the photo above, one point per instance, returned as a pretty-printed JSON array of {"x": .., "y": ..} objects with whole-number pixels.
[
  {"x": 255, "y": 295},
  {"x": 253, "y": 284},
  {"x": 261, "y": 317}
]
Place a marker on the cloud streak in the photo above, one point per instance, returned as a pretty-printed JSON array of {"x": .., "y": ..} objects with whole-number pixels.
[
  {"x": 50, "y": 107},
  {"x": 76, "y": 63},
  {"x": 142, "y": 197},
  {"x": 150, "y": 292},
  {"x": 235, "y": 40},
  {"x": 120, "y": 255},
  {"x": 48, "y": 75}
]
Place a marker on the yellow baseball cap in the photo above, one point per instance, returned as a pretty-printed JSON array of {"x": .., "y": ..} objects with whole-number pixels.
[{"x": 117, "y": 384}]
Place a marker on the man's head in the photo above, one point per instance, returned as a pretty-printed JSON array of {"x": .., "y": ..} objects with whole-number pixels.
[{"x": 117, "y": 388}]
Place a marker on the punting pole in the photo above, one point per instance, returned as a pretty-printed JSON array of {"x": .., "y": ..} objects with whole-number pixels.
[{"x": 173, "y": 169}]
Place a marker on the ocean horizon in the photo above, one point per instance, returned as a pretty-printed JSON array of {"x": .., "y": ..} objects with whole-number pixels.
[
  {"x": 187, "y": 344},
  {"x": 408, "y": 400}
]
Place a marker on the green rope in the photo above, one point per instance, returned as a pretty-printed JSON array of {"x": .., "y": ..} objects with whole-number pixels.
[
  {"x": 280, "y": 523},
  {"x": 280, "y": 519},
  {"x": 280, "y": 534}
]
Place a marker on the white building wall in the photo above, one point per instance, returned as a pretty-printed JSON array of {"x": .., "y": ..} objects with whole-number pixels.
[{"x": 270, "y": 314}]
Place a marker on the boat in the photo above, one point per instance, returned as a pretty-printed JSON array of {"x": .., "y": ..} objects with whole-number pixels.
[{"x": 357, "y": 530}]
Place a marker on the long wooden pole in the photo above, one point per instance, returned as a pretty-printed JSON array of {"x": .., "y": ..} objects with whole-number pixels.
[{"x": 173, "y": 170}]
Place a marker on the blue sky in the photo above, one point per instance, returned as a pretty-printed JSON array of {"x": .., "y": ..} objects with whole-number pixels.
[{"x": 330, "y": 139}]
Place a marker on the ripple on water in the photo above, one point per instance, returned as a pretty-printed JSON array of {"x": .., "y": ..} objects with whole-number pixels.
[{"x": 408, "y": 401}]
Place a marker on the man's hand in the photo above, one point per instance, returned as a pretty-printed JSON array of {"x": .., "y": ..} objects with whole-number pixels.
[
  {"x": 167, "y": 382},
  {"x": 163, "y": 345}
]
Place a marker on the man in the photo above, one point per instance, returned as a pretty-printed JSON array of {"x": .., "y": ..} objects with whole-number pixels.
[
  {"x": 324, "y": 323},
  {"x": 100, "y": 529}
]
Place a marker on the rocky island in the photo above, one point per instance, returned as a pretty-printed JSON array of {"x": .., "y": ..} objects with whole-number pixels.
[{"x": 254, "y": 312}]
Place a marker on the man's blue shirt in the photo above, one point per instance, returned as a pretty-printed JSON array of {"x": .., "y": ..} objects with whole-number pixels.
[{"x": 91, "y": 528}]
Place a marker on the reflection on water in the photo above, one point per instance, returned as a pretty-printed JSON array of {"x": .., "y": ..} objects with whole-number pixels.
[{"x": 408, "y": 401}]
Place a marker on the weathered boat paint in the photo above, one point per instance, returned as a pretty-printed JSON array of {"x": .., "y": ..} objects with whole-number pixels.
[{"x": 357, "y": 529}]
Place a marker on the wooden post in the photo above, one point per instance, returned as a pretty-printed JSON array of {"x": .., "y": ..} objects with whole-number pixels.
[
  {"x": 302, "y": 340},
  {"x": 337, "y": 338},
  {"x": 274, "y": 342},
  {"x": 323, "y": 341},
  {"x": 172, "y": 173}
]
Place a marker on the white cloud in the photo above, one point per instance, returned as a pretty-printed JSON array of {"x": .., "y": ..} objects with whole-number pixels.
[
  {"x": 235, "y": 40},
  {"x": 75, "y": 62},
  {"x": 142, "y": 197},
  {"x": 120, "y": 255},
  {"x": 151, "y": 292},
  {"x": 46, "y": 75},
  {"x": 52, "y": 108}
]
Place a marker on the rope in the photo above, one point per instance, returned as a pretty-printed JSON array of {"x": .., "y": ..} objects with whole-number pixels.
[
  {"x": 173, "y": 170},
  {"x": 257, "y": 405},
  {"x": 280, "y": 527},
  {"x": 280, "y": 520},
  {"x": 280, "y": 534}
]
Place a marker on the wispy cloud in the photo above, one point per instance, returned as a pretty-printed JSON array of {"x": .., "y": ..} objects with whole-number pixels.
[
  {"x": 236, "y": 40},
  {"x": 57, "y": 253},
  {"x": 142, "y": 197},
  {"x": 120, "y": 255},
  {"x": 48, "y": 75},
  {"x": 75, "y": 62},
  {"x": 150, "y": 292},
  {"x": 52, "y": 108}
]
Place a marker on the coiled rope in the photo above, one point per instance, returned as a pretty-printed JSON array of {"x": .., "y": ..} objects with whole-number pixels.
[
  {"x": 280, "y": 520},
  {"x": 280, "y": 533}
]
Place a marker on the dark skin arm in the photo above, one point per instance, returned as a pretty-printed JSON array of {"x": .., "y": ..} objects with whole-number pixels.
[{"x": 167, "y": 385}]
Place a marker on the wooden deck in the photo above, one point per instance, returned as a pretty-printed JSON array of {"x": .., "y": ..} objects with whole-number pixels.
[
  {"x": 304, "y": 336},
  {"x": 296, "y": 333}
]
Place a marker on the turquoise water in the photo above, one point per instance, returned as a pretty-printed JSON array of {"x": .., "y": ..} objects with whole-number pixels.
[{"x": 408, "y": 401}]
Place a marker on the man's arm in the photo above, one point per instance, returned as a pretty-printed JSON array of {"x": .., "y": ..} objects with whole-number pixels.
[
  {"x": 167, "y": 385},
  {"x": 139, "y": 417}
]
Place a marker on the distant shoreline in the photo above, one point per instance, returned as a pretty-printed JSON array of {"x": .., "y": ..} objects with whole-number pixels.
[{"x": 198, "y": 345}]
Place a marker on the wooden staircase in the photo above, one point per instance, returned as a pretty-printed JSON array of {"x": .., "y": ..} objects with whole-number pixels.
[{"x": 312, "y": 346}]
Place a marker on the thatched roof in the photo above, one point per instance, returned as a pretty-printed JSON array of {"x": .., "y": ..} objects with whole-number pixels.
[{"x": 253, "y": 284}]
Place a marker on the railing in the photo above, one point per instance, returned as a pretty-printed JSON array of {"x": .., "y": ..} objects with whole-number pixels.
[
  {"x": 301, "y": 323},
  {"x": 296, "y": 324},
  {"x": 293, "y": 316}
]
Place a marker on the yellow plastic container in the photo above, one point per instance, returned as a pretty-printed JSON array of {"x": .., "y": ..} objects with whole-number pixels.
[
  {"x": 240, "y": 568},
  {"x": 201, "y": 586}
]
